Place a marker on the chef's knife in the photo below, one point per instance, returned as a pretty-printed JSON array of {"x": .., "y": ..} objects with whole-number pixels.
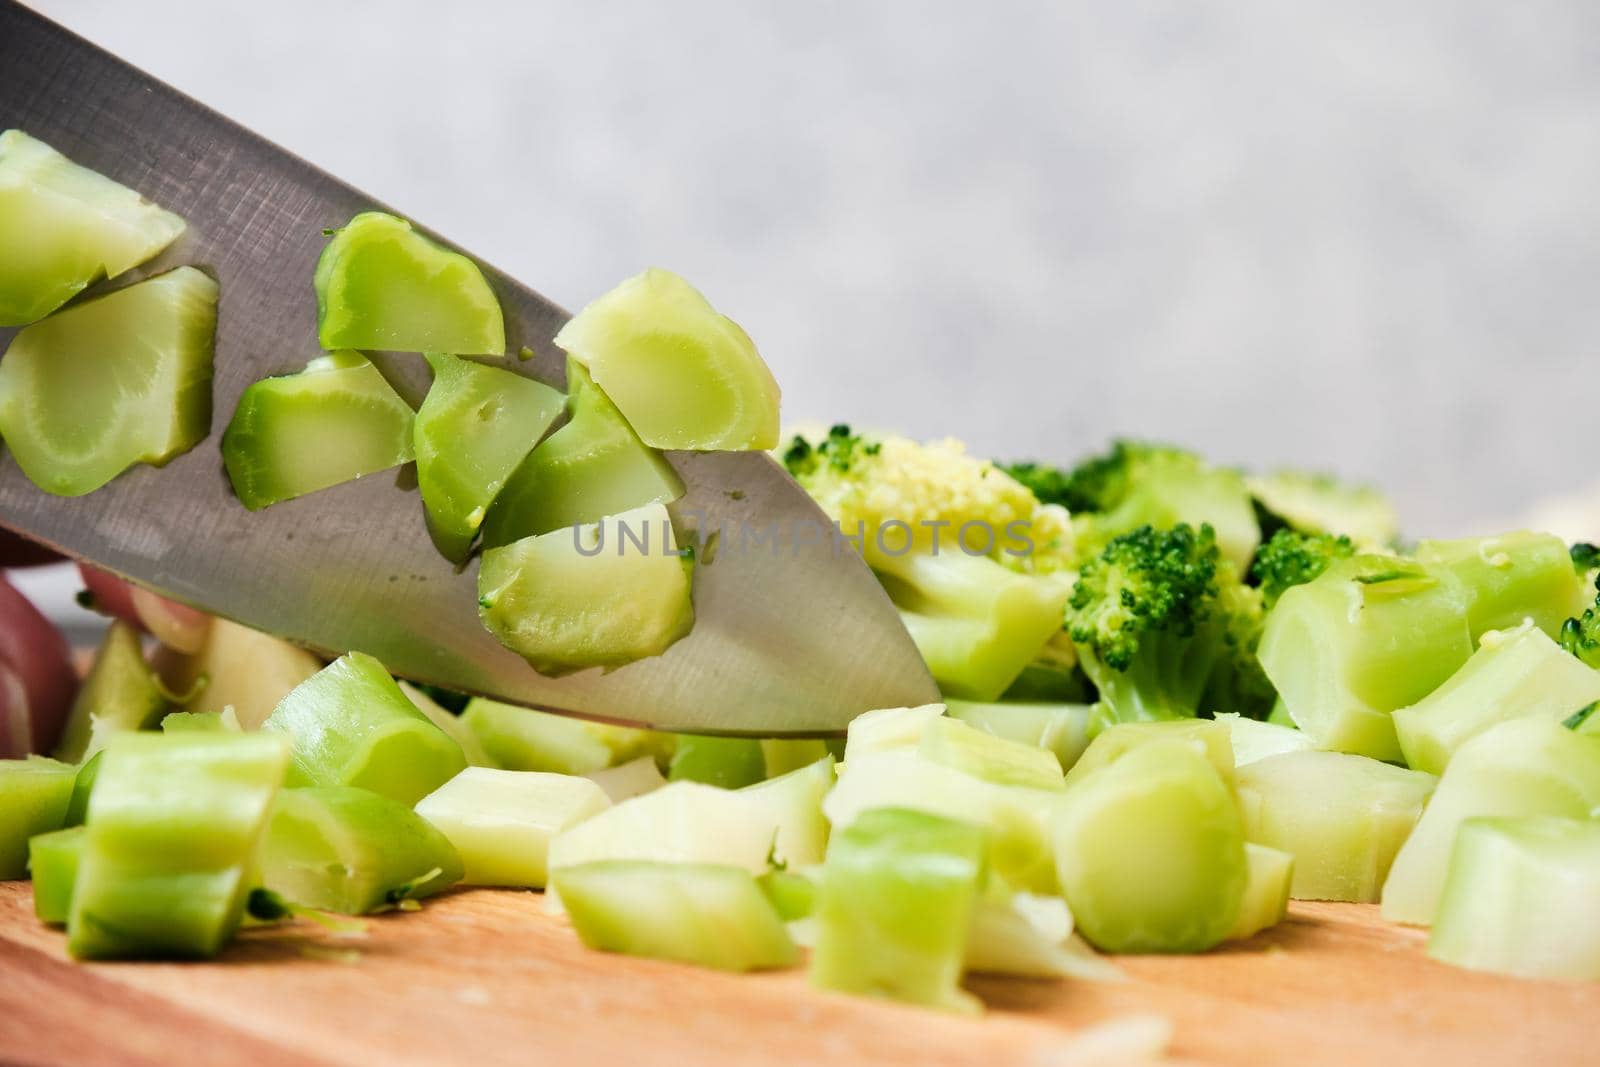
[{"x": 792, "y": 633}]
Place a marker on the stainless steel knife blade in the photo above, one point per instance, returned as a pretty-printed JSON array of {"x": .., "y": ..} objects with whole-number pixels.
[{"x": 793, "y": 635}]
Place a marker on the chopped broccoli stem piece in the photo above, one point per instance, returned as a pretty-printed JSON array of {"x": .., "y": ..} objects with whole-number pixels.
[
  {"x": 1510, "y": 578},
  {"x": 682, "y": 822},
  {"x": 53, "y": 865},
  {"x": 352, "y": 851},
  {"x": 1370, "y": 635},
  {"x": 592, "y": 596},
  {"x": 239, "y": 668},
  {"x": 450, "y": 723},
  {"x": 983, "y": 755},
  {"x": 627, "y": 780},
  {"x": 34, "y": 794},
  {"x": 1529, "y": 766},
  {"x": 521, "y": 739},
  {"x": 729, "y": 762},
  {"x": 382, "y": 285},
  {"x": 1519, "y": 898},
  {"x": 1252, "y": 740},
  {"x": 502, "y": 822},
  {"x": 1342, "y": 817},
  {"x": 1059, "y": 729},
  {"x": 1209, "y": 738},
  {"x": 1268, "y": 875},
  {"x": 473, "y": 429},
  {"x": 120, "y": 693},
  {"x": 1017, "y": 817},
  {"x": 82, "y": 789},
  {"x": 895, "y": 908},
  {"x": 1512, "y": 674},
  {"x": 680, "y": 373},
  {"x": 1028, "y": 936},
  {"x": 792, "y": 896},
  {"x": 793, "y": 803},
  {"x": 888, "y": 729},
  {"x": 976, "y": 623},
  {"x": 698, "y": 913},
  {"x": 780, "y": 755},
  {"x": 121, "y": 379},
  {"x": 1291, "y": 558},
  {"x": 201, "y": 722},
  {"x": 64, "y": 227},
  {"x": 333, "y": 422},
  {"x": 1321, "y": 504},
  {"x": 169, "y": 851},
  {"x": 593, "y": 466},
  {"x": 1150, "y": 852},
  {"x": 351, "y": 725}
]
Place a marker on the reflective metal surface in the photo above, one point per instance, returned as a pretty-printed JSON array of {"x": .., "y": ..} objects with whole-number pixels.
[{"x": 791, "y": 637}]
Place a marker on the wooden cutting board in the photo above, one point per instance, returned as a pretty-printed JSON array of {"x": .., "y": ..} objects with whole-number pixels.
[{"x": 486, "y": 977}]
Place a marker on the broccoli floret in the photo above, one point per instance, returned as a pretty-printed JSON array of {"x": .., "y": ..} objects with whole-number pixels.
[
  {"x": 1585, "y": 558},
  {"x": 1137, "y": 484},
  {"x": 1581, "y": 635},
  {"x": 1159, "y": 620},
  {"x": 967, "y": 553},
  {"x": 1320, "y": 503},
  {"x": 1291, "y": 558}
]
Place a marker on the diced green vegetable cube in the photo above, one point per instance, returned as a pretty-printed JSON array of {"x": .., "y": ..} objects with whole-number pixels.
[
  {"x": 1512, "y": 674},
  {"x": 351, "y": 725},
  {"x": 353, "y": 851},
  {"x": 521, "y": 739},
  {"x": 382, "y": 285},
  {"x": 683, "y": 375},
  {"x": 895, "y": 909},
  {"x": 120, "y": 693},
  {"x": 1060, "y": 729},
  {"x": 592, "y": 467},
  {"x": 1342, "y": 817},
  {"x": 174, "y": 823},
  {"x": 502, "y": 822},
  {"x": 121, "y": 379},
  {"x": 239, "y": 668},
  {"x": 793, "y": 896},
  {"x": 591, "y": 596},
  {"x": 1519, "y": 898},
  {"x": 729, "y": 762},
  {"x": 65, "y": 227},
  {"x": 627, "y": 780},
  {"x": 1530, "y": 766},
  {"x": 1371, "y": 634},
  {"x": 473, "y": 429},
  {"x": 696, "y": 913},
  {"x": 887, "y": 729},
  {"x": 53, "y": 865},
  {"x": 1150, "y": 852},
  {"x": 1269, "y": 873},
  {"x": 793, "y": 802},
  {"x": 1509, "y": 578},
  {"x": 34, "y": 794},
  {"x": 336, "y": 420},
  {"x": 1208, "y": 737},
  {"x": 1253, "y": 740},
  {"x": 983, "y": 755}
]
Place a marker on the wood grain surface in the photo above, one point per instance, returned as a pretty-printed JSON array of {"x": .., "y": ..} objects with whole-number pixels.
[{"x": 486, "y": 977}]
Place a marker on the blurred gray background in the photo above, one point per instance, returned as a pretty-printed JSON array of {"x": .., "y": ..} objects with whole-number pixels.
[{"x": 1363, "y": 237}]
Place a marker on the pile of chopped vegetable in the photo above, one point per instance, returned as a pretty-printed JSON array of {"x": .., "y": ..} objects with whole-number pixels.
[{"x": 1177, "y": 695}]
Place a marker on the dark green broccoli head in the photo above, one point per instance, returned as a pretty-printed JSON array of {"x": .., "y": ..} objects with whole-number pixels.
[
  {"x": 1585, "y": 557},
  {"x": 837, "y": 451},
  {"x": 1238, "y": 683},
  {"x": 1581, "y": 636},
  {"x": 1099, "y": 483},
  {"x": 1292, "y": 558},
  {"x": 1146, "y": 581}
]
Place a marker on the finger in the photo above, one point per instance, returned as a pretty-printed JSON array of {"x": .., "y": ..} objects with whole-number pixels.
[
  {"x": 180, "y": 628},
  {"x": 37, "y": 680}
]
